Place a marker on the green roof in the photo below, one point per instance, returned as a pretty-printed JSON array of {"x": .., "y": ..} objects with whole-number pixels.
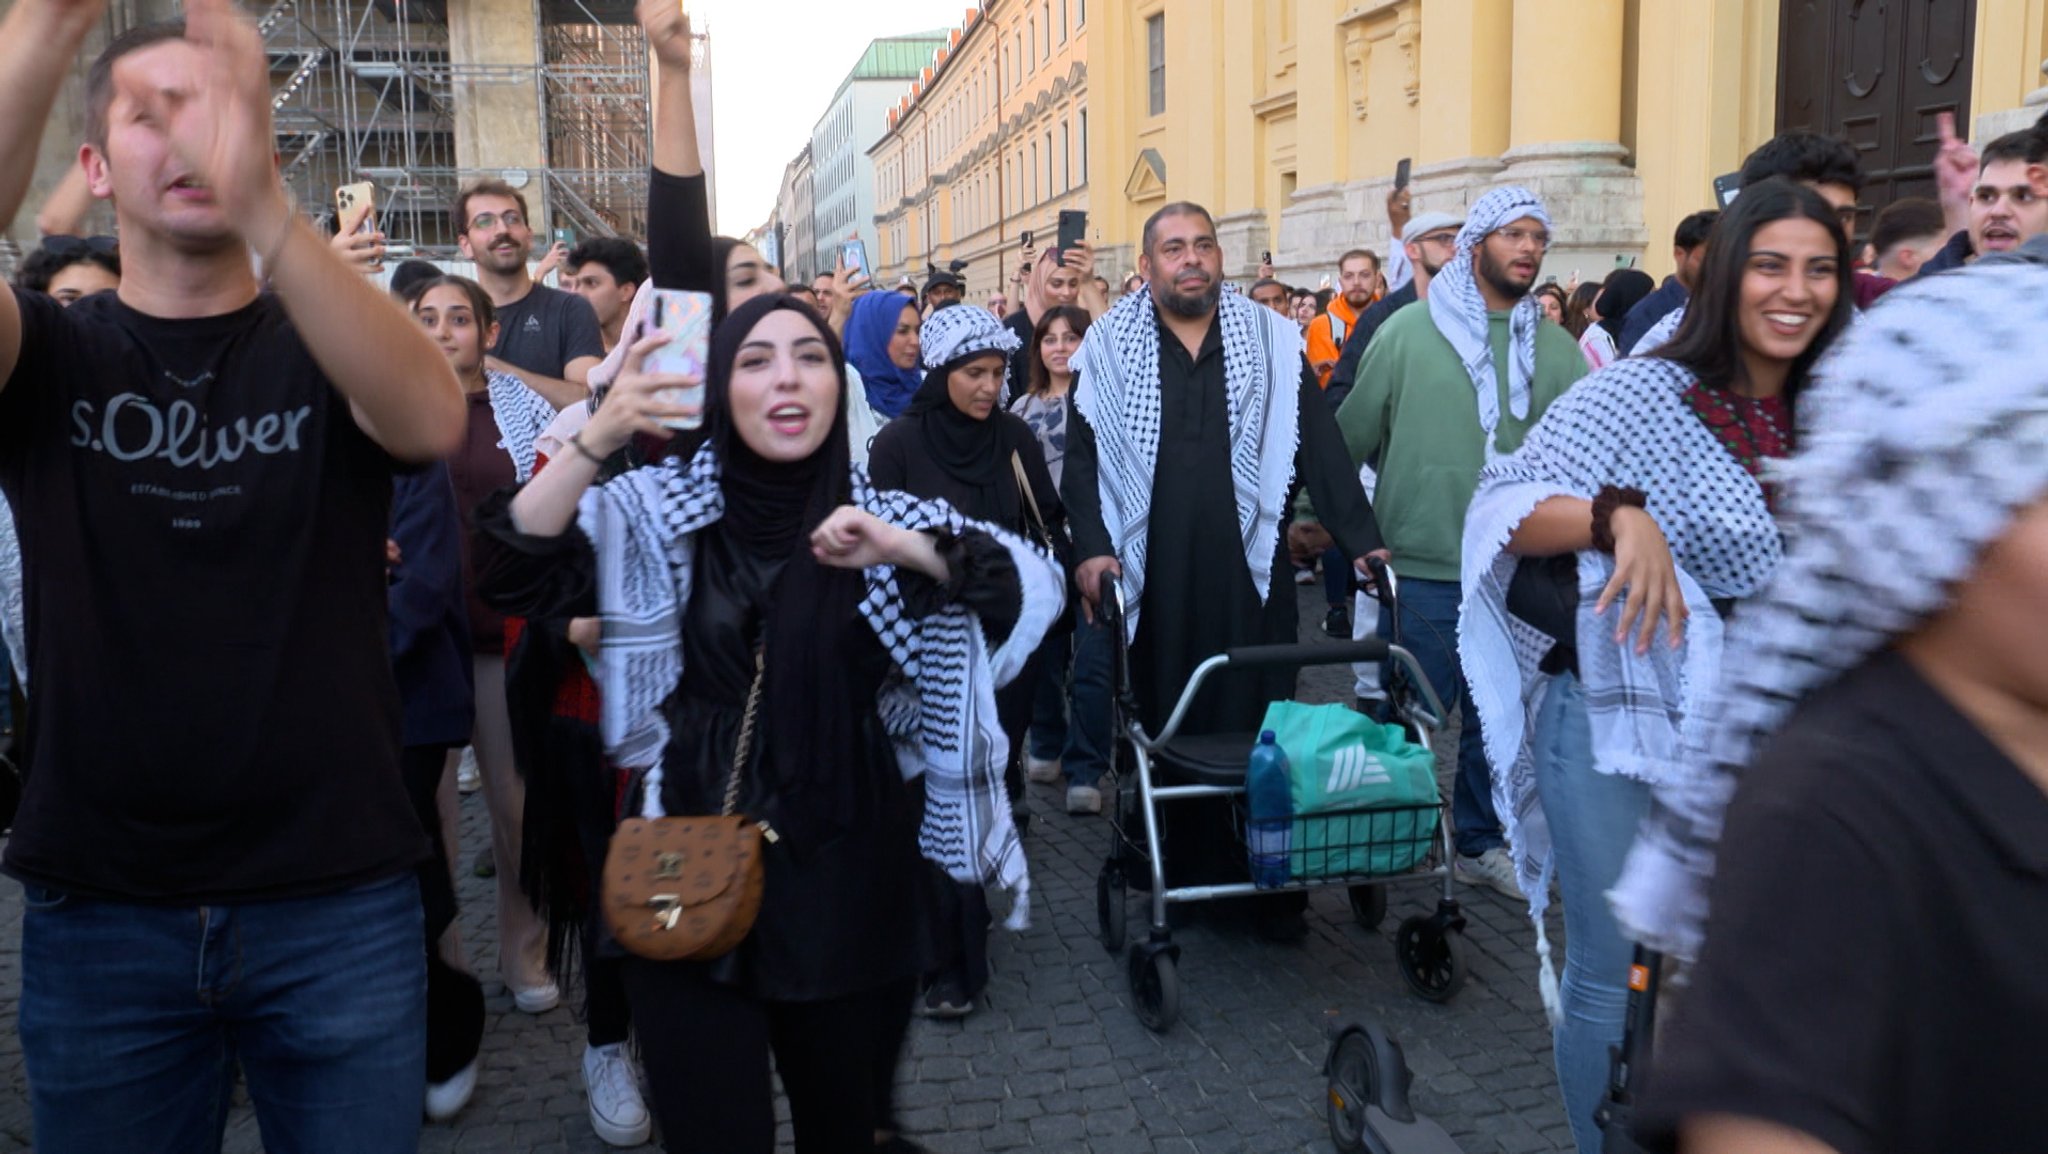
[{"x": 898, "y": 57}]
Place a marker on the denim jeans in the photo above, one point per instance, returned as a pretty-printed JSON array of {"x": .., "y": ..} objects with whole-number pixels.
[
  {"x": 1338, "y": 579},
  {"x": 1088, "y": 737},
  {"x": 1593, "y": 818},
  {"x": 1429, "y": 630},
  {"x": 133, "y": 1019},
  {"x": 1048, "y": 738}
]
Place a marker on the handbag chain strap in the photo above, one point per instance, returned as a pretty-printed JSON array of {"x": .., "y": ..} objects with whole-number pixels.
[
  {"x": 1030, "y": 499},
  {"x": 745, "y": 746}
]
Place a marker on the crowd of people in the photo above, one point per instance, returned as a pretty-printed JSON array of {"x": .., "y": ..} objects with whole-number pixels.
[{"x": 321, "y": 535}]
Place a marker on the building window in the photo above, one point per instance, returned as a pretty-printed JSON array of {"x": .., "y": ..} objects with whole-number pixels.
[
  {"x": 1066, "y": 157},
  {"x": 1049, "y": 186},
  {"x": 1031, "y": 26},
  {"x": 1155, "y": 62},
  {"x": 1048, "y": 30},
  {"x": 1080, "y": 12},
  {"x": 1084, "y": 146},
  {"x": 1063, "y": 21},
  {"x": 1034, "y": 172}
]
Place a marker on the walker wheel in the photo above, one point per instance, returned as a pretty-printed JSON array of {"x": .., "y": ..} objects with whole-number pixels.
[
  {"x": 1350, "y": 1089},
  {"x": 1155, "y": 988},
  {"x": 1111, "y": 896},
  {"x": 1429, "y": 956},
  {"x": 1369, "y": 905}
]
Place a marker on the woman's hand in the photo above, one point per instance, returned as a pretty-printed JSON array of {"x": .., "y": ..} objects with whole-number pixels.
[
  {"x": 1643, "y": 566},
  {"x": 637, "y": 403},
  {"x": 853, "y": 538},
  {"x": 586, "y": 633},
  {"x": 364, "y": 251}
]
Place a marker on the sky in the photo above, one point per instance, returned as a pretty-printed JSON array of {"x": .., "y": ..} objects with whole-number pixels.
[{"x": 775, "y": 65}]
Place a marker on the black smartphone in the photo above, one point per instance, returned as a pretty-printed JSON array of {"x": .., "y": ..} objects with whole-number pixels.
[
  {"x": 1266, "y": 257},
  {"x": 1401, "y": 168},
  {"x": 1025, "y": 236},
  {"x": 1073, "y": 228},
  {"x": 1725, "y": 188}
]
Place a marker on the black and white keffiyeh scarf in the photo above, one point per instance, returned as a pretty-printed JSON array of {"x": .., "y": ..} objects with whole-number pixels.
[
  {"x": 522, "y": 416},
  {"x": 1459, "y": 311},
  {"x": 1117, "y": 372},
  {"x": 958, "y": 331},
  {"x": 1630, "y": 426},
  {"x": 1917, "y": 449},
  {"x": 938, "y": 705}
]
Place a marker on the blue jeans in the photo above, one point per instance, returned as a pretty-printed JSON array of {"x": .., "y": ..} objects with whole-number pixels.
[
  {"x": 133, "y": 1019},
  {"x": 1048, "y": 735},
  {"x": 1088, "y": 737},
  {"x": 1593, "y": 818},
  {"x": 1429, "y": 630},
  {"x": 1338, "y": 581}
]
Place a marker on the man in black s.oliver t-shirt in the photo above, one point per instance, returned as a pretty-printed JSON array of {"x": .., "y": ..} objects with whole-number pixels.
[{"x": 214, "y": 837}]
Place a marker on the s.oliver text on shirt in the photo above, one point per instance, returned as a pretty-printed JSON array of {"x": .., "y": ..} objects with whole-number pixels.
[{"x": 133, "y": 428}]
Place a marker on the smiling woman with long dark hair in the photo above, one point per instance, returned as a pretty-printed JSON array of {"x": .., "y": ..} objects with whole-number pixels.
[{"x": 1639, "y": 508}]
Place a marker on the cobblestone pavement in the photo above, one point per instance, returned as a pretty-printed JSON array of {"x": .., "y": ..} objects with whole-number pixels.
[{"x": 1056, "y": 1060}]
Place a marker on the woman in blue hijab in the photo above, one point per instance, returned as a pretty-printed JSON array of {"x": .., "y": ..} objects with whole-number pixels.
[{"x": 882, "y": 344}]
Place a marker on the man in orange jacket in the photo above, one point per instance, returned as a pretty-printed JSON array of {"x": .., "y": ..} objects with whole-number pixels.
[{"x": 1358, "y": 282}]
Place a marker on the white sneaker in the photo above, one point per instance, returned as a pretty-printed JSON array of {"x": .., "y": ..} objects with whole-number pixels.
[
  {"x": 538, "y": 999},
  {"x": 617, "y": 1111},
  {"x": 446, "y": 1099},
  {"x": 1493, "y": 869},
  {"x": 1042, "y": 772},
  {"x": 1304, "y": 576},
  {"x": 1083, "y": 799},
  {"x": 467, "y": 779}
]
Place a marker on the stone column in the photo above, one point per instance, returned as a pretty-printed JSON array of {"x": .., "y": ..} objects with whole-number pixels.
[
  {"x": 1564, "y": 138},
  {"x": 494, "y": 55}
]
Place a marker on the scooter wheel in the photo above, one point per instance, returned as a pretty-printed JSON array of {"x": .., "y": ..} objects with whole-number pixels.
[
  {"x": 1155, "y": 989},
  {"x": 1351, "y": 1087},
  {"x": 1369, "y": 905},
  {"x": 1111, "y": 918},
  {"x": 1430, "y": 958}
]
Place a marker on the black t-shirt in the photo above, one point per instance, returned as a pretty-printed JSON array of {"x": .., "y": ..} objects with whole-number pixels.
[
  {"x": 545, "y": 330},
  {"x": 202, "y": 525},
  {"x": 1876, "y": 965}
]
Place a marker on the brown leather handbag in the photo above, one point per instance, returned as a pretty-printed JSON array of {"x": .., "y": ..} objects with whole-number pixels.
[{"x": 688, "y": 888}]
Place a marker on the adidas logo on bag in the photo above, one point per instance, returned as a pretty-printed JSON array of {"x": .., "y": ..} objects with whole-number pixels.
[{"x": 1355, "y": 768}]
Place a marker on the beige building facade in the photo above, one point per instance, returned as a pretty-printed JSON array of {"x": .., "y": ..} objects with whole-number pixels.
[
  {"x": 1619, "y": 113},
  {"x": 992, "y": 141}
]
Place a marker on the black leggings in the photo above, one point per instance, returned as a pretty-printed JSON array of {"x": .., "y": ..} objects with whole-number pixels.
[{"x": 707, "y": 1046}]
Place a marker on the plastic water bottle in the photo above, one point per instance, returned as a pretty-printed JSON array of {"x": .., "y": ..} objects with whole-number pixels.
[{"x": 1270, "y": 826}]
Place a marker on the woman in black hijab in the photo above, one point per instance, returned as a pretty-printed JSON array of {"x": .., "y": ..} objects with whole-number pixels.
[
  {"x": 771, "y": 543},
  {"x": 957, "y": 443}
]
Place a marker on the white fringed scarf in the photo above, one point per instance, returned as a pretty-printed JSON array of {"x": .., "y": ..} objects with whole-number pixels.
[
  {"x": 1117, "y": 391},
  {"x": 938, "y": 705},
  {"x": 1459, "y": 310}
]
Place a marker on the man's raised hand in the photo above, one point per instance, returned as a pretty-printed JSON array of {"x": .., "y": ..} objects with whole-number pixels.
[
  {"x": 224, "y": 133},
  {"x": 668, "y": 32}
]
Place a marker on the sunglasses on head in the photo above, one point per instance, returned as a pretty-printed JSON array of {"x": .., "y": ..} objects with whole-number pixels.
[{"x": 68, "y": 246}]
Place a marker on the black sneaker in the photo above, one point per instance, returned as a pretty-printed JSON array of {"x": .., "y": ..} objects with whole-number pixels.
[
  {"x": 945, "y": 999},
  {"x": 1338, "y": 623}
]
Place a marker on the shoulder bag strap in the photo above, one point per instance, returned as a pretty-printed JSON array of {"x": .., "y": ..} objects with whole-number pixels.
[{"x": 745, "y": 746}]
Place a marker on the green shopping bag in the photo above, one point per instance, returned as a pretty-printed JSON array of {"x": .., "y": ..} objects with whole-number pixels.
[{"x": 1365, "y": 798}]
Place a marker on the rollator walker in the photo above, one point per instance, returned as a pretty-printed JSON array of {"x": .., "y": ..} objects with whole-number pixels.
[{"x": 1172, "y": 767}]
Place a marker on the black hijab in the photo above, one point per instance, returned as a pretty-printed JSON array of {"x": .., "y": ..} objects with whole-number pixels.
[
  {"x": 975, "y": 454},
  {"x": 808, "y": 710}
]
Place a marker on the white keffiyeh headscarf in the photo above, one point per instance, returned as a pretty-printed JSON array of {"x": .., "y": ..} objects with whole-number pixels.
[
  {"x": 1917, "y": 451},
  {"x": 938, "y": 704},
  {"x": 1629, "y": 426},
  {"x": 959, "y": 331},
  {"x": 1117, "y": 391},
  {"x": 1459, "y": 311}
]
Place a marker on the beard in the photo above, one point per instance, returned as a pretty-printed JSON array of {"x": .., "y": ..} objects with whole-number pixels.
[
  {"x": 502, "y": 262},
  {"x": 1190, "y": 305},
  {"x": 1501, "y": 279},
  {"x": 1359, "y": 299}
]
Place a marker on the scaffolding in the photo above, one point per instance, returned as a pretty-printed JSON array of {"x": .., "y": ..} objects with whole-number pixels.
[{"x": 367, "y": 90}]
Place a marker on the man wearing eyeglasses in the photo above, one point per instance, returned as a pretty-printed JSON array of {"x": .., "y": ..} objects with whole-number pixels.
[
  {"x": 1443, "y": 388},
  {"x": 547, "y": 338}
]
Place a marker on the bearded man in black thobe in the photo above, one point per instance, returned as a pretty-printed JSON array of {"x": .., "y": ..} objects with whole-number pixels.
[{"x": 1194, "y": 416}]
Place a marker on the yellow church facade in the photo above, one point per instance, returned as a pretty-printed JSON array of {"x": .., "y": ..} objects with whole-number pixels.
[{"x": 1286, "y": 118}]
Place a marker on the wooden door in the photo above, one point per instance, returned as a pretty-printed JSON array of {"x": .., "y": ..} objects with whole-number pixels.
[{"x": 1877, "y": 73}]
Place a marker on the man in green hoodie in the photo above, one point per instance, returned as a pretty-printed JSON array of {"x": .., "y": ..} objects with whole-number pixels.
[{"x": 1446, "y": 385}]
